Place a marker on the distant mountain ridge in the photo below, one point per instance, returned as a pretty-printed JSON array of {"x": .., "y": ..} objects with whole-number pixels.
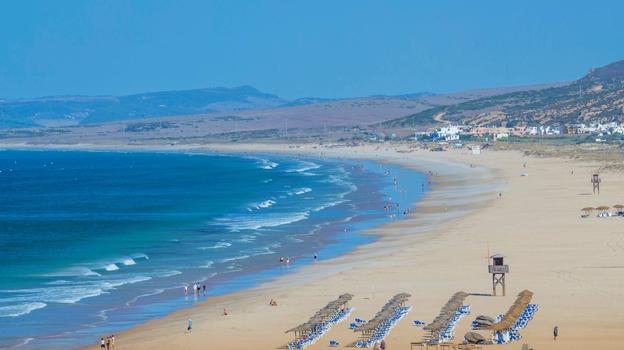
[
  {"x": 71, "y": 110},
  {"x": 596, "y": 97},
  {"x": 75, "y": 110}
]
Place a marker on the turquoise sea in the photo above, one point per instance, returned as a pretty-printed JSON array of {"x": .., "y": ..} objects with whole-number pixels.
[{"x": 92, "y": 243}]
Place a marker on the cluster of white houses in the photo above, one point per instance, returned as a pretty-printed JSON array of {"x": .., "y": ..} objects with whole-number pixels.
[{"x": 453, "y": 132}]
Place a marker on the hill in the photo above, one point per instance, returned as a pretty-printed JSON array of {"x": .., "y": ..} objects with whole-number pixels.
[
  {"x": 81, "y": 110},
  {"x": 596, "y": 97}
]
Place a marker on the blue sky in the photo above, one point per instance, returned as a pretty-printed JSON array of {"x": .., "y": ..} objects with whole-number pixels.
[{"x": 300, "y": 48}]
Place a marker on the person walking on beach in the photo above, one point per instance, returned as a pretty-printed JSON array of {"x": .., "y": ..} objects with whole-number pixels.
[
  {"x": 189, "y": 328},
  {"x": 102, "y": 343},
  {"x": 112, "y": 341},
  {"x": 555, "y": 332},
  {"x": 382, "y": 346}
]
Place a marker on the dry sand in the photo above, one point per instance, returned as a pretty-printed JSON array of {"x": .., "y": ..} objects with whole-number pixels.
[{"x": 574, "y": 266}]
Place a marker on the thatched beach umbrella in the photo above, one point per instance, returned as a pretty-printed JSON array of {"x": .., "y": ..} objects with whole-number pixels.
[
  {"x": 619, "y": 208},
  {"x": 587, "y": 210},
  {"x": 603, "y": 208}
]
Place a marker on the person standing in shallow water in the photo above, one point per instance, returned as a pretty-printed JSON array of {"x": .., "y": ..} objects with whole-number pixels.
[
  {"x": 555, "y": 332},
  {"x": 189, "y": 328}
]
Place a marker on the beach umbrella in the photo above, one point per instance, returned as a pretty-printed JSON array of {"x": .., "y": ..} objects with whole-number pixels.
[
  {"x": 618, "y": 206},
  {"x": 588, "y": 209},
  {"x": 603, "y": 208}
]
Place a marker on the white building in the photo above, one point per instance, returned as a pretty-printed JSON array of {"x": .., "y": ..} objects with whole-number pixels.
[
  {"x": 532, "y": 130},
  {"x": 449, "y": 133}
]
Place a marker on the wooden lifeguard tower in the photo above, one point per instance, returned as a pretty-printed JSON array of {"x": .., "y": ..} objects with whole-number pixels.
[
  {"x": 595, "y": 180},
  {"x": 498, "y": 269}
]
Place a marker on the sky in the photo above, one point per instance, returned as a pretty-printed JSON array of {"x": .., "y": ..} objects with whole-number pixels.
[{"x": 293, "y": 48}]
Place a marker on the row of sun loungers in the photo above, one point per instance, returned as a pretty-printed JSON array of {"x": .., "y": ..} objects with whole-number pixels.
[
  {"x": 505, "y": 327},
  {"x": 322, "y": 328},
  {"x": 380, "y": 325},
  {"x": 512, "y": 334},
  {"x": 448, "y": 333},
  {"x": 442, "y": 328},
  {"x": 603, "y": 211},
  {"x": 514, "y": 312},
  {"x": 384, "y": 328},
  {"x": 312, "y": 330}
]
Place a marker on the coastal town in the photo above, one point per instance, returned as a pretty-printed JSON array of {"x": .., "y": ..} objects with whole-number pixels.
[
  {"x": 453, "y": 133},
  {"x": 456, "y": 132}
]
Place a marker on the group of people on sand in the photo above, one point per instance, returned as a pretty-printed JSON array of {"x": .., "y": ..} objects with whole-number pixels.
[
  {"x": 108, "y": 342},
  {"x": 197, "y": 289}
]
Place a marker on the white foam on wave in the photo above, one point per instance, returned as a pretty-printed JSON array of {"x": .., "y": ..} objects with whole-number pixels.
[
  {"x": 163, "y": 274},
  {"x": 73, "y": 271},
  {"x": 235, "y": 258},
  {"x": 24, "y": 342},
  {"x": 128, "y": 262},
  {"x": 305, "y": 166},
  {"x": 259, "y": 251},
  {"x": 246, "y": 239},
  {"x": 111, "y": 267},
  {"x": 237, "y": 223},
  {"x": 233, "y": 268},
  {"x": 68, "y": 293},
  {"x": 88, "y": 271},
  {"x": 329, "y": 205},
  {"x": 135, "y": 299},
  {"x": 218, "y": 245},
  {"x": 208, "y": 265},
  {"x": 267, "y": 165},
  {"x": 20, "y": 309},
  {"x": 265, "y": 204},
  {"x": 117, "y": 263},
  {"x": 295, "y": 239},
  {"x": 342, "y": 181},
  {"x": 303, "y": 190}
]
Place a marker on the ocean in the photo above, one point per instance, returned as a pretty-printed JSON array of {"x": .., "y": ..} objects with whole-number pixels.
[{"x": 106, "y": 240}]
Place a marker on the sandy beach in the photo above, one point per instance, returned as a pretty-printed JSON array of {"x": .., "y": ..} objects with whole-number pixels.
[{"x": 572, "y": 264}]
